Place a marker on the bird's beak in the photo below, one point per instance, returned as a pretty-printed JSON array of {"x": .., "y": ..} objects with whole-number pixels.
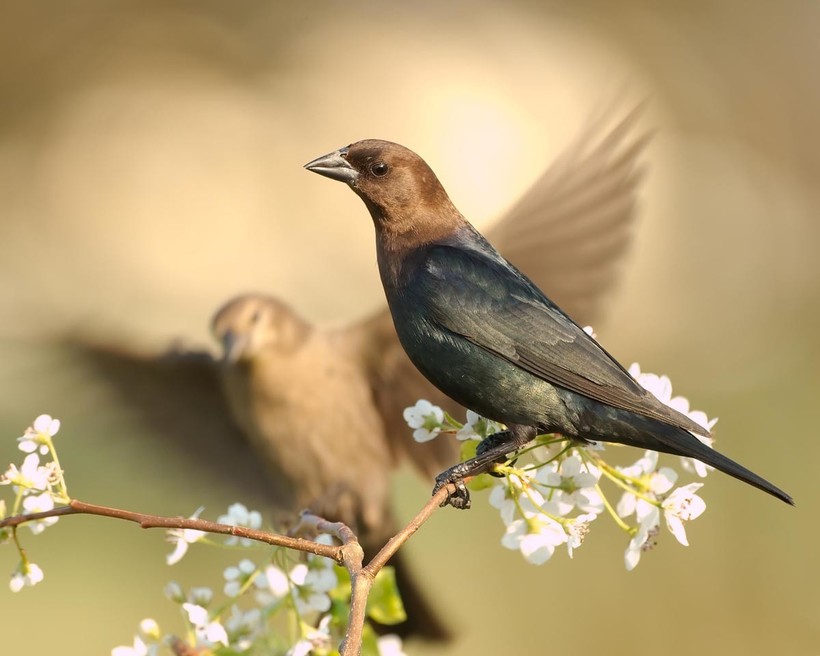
[
  {"x": 334, "y": 165},
  {"x": 233, "y": 347}
]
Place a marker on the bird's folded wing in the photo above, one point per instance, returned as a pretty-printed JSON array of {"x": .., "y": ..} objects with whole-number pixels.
[
  {"x": 477, "y": 295},
  {"x": 178, "y": 397}
]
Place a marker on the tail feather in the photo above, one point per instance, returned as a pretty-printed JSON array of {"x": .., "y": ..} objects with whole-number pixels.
[
  {"x": 677, "y": 441},
  {"x": 423, "y": 620}
]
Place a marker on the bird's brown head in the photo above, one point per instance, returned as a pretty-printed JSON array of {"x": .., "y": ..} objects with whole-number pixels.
[
  {"x": 401, "y": 191},
  {"x": 251, "y": 324}
]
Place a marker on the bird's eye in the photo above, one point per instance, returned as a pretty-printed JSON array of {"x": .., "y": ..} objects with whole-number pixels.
[{"x": 378, "y": 169}]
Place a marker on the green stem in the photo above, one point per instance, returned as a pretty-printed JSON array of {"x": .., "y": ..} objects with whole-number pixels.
[
  {"x": 18, "y": 545},
  {"x": 242, "y": 590},
  {"x": 620, "y": 522},
  {"x": 18, "y": 500},
  {"x": 63, "y": 489},
  {"x": 621, "y": 481},
  {"x": 556, "y": 456},
  {"x": 452, "y": 421}
]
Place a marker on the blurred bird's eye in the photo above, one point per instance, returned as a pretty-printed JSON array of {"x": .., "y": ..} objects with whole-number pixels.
[{"x": 378, "y": 169}]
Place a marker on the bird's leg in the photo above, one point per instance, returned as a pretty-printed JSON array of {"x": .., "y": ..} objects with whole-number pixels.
[
  {"x": 491, "y": 442},
  {"x": 491, "y": 451}
]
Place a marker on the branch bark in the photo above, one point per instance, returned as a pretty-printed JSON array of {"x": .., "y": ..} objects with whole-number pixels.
[{"x": 349, "y": 554}]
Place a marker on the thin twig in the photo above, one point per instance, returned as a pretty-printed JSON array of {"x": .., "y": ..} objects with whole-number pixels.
[
  {"x": 362, "y": 581},
  {"x": 147, "y": 520},
  {"x": 393, "y": 544},
  {"x": 349, "y": 554}
]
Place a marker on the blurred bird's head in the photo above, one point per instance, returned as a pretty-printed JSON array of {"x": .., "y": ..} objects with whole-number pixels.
[
  {"x": 394, "y": 182},
  {"x": 252, "y": 323}
]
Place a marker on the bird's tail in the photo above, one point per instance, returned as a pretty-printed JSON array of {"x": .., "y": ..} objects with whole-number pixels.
[
  {"x": 423, "y": 621},
  {"x": 674, "y": 440}
]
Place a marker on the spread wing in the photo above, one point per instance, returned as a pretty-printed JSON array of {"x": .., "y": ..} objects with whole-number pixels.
[
  {"x": 570, "y": 231},
  {"x": 568, "y": 234},
  {"x": 178, "y": 397},
  {"x": 474, "y": 293}
]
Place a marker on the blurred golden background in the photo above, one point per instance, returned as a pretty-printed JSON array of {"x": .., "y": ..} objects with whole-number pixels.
[{"x": 151, "y": 166}]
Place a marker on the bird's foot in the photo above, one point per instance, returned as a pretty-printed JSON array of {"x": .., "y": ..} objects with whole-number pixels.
[
  {"x": 459, "y": 499},
  {"x": 492, "y": 451}
]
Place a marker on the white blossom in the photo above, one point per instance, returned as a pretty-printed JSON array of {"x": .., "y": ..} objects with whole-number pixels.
[
  {"x": 38, "y": 435},
  {"x": 656, "y": 483},
  {"x": 145, "y": 643},
  {"x": 150, "y": 628},
  {"x": 477, "y": 427},
  {"x": 572, "y": 485},
  {"x": 200, "y": 596},
  {"x": 514, "y": 492},
  {"x": 35, "y": 503},
  {"x": 307, "y": 595},
  {"x": 547, "y": 452},
  {"x": 322, "y": 579},
  {"x": 243, "y": 627},
  {"x": 139, "y": 648},
  {"x": 301, "y": 648},
  {"x": 535, "y": 537},
  {"x": 207, "y": 630},
  {"x": 26, "y": 575},
  {"x": 181, "y": 538},
  {"x": 30, "y": 476},
  {"x": 643, "y": 540},
  {"x": 272, "y": 584},
  {"x": 682, "y": 506},
  {"x": 318, "y": 638},
  {"x": 577, "y": 529},
  {"x": 237, "y": 576},
  {"x": 661, "y": 387},
  {"x": 426, "y": 420},
  {"x": 390, "y": 645},
  {"x": 174, "y": 592},
  {"x": 501, "y": 499},
  {"x": 239, "y": 515}
]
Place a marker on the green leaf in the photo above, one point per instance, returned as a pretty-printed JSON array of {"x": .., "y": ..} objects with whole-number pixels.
[
  {"x": 340, "y": 599},
  {"x": 384, "y": 604},
  {"x": 468, "y": 448},
  {"x": 342, "y": 590},
  {"x": 370, "y": 641},
  {"x": 481, "y": 482}
]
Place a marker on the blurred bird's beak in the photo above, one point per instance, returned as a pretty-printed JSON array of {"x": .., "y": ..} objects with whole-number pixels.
[
  {"x": 233, "y": 347},
  {"x": 334, "y": 165}
]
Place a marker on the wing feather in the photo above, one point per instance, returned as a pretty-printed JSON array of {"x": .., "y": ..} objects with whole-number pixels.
[{"x": 476, "y": 294}]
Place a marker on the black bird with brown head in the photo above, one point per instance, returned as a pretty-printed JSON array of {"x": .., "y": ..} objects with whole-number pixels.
[{"x": 484, "y": 334}]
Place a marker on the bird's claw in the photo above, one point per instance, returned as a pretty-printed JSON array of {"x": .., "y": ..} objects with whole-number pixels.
[
  {"x": 459, "y": 499},
  {"x": 491, "y": 452}
]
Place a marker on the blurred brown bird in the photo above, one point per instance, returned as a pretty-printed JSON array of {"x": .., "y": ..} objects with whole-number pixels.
[{"x": 322, "y": 408}]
